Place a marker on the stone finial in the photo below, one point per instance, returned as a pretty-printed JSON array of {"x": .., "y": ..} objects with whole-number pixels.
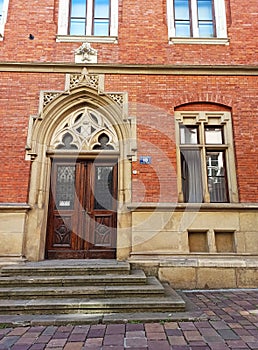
[{"x": 85, "y": 53}]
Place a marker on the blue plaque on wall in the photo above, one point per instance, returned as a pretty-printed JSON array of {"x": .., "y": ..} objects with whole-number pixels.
[{"x": 145, "y": 160}]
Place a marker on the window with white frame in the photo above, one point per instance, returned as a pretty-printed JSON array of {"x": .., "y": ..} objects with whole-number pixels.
[
  {"x": 206, "y": 167},
  {"x": 197, "y": 19},
  {"x": 88, "y": 18},
  {"x": 3, "y": 15}
]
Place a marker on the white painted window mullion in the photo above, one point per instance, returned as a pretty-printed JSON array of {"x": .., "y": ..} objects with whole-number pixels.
[
  {"x": 194, "y": 15},
  {"x": 89, "y": 19}
]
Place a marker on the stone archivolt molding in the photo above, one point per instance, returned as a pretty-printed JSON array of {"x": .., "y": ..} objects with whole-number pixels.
[{"x": 81, "y": 114}]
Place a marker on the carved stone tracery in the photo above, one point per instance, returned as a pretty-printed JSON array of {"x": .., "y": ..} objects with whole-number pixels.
[{"x": 82, "y": 129}]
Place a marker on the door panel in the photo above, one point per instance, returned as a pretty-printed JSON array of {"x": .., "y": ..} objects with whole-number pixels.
[{"x": 82, "y": 210}]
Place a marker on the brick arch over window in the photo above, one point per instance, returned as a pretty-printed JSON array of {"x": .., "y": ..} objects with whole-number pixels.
[
  {"x": 209, "y": 98},
  {"x": 120, "y": 133},
  {"x": 201, "y": 106}
]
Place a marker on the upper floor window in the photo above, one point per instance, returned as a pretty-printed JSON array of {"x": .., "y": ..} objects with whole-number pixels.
[
  {"x": 197, "y": 20},
  {"x": 206, "y": 172},
  {"x": 3, "y": 16},
  {"x": 97, "y": 19},
  {"x": 89, "y": 17}
]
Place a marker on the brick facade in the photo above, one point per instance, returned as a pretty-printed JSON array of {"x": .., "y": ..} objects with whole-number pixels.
[{"x": 159, "y": 79}]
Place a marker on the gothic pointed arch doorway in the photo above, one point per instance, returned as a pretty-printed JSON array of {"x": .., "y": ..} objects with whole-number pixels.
[
  {"x": 82, "y": 214},
  {"x": 81, "y": 147}
]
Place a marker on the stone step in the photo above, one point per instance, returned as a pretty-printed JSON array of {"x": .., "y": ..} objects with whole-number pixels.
[
  {"x": 67, "y": 267},
  {"x": 170, "y": 302},
  {"x": 135, "y": 277},
  {"x": 152, "y": 288}
]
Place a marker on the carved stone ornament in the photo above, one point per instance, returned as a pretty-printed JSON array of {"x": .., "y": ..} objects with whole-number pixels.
[
  {"x": 86, "y": 54},
  {"x": 85, "y": 129}
]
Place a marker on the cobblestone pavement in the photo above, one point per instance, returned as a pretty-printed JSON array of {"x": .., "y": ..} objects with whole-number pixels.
[{"x": 232, "y": 323}]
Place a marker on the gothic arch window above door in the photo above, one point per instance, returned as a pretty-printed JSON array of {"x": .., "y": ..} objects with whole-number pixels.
[{"x": 86, "y": 129}]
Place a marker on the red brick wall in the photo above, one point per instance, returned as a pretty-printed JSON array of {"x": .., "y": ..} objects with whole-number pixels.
[
  {"x": 19, "y": 98},
  {"x": 143, "y": 36},
  {"x": 143, "y": 39},
  {"x": 152, "y": 99}
]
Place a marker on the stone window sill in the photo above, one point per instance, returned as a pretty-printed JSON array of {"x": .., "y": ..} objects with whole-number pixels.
[
  {"x": 200, "y": 41},
  {"x": 84, "y": 38}
]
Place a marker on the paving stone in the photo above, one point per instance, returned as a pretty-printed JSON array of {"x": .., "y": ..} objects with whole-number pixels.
[
  {"x": 154, "y": 328},
  {"x": 134, "y": 327},
  {"x": 81, "y": 329},
  {"x": 156, "y": 336},
  {"x": 219, "y": 346},
  {"x": 21, "y": 347},
  {"x": 175, "y": 332},
  {"x": 114, "y": 339},
  {"x": 54, "y": 343},
  {"x": 73, "y": 346},
  {"x": 192, "y": 335},
  {"x": 37, "y": 347},
  {"x": 135, "y": 342},
  {"x": 135, "y": 334},
  {"x": 228, "y": 334},
  {"x": 175, "y": 340},
  {"x": 158, "y": 345},
  {"x": 187, "y": 326},
  {"x": 96, "y": 332},
  {"x": 7, "y": 342},
  {"x": 115, "y": 329},
  {"x": 77, "y": 337}
]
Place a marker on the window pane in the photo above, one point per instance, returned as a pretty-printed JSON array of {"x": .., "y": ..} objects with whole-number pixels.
[
  {"x": 78, "y": 8},
  {"x": 101, "y": 27},
  {"x": 182, "y": 18},
  {"x": 77, "y": 26},
  {"x": 206, "y": 30},
  {"x": 216, "y": 176},
  {"x": 1, "y": 8},
  {"x": 204, "y": 10},
  {"x": 78, "y": 17},
  {"x": 181, "y": 9},
  {"x": 183, "y": 29},
  {"x": 213, "y": 135},
  {"x": 101, "y": 9},
  {"x": 103, "y": 187},
  {"x": 65, "y": 191},
  {"x": 191, "y": 176},
  {"x": 188, "y": 135}
]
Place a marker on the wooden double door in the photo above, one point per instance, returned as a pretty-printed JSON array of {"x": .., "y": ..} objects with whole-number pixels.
[{"x": 82, "y": 215}]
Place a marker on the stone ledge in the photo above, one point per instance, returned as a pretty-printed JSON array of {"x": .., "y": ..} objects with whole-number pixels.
[
  {"x": 14, "y": 207},
  {"x": 192, "y": 206}
]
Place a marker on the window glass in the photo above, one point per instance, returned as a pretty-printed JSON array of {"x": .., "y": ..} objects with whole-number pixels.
[
  {"x": 191, "y": 176},
  {"x": 182, "y": 18},
  {"x": 216, "y": 176},
  {"x": 213, "y": 135},
  {"x": 78, "y": 8},
  {"x": 103, "y": 190},
  {"x": 78, "y": 17},
  {"x": 205, "y": 18},
  {"x": 206, "y": 30},
  {"x": 65, "y": 192},
  {"x": 1, "y": 8},
  {"x": 188, "y": 134},
  {"x": 101, "y": 17},
  {"x": 204, "y": 10},
  {"x": 101, "y": 27},
  {"x": 101, "y": 9}
]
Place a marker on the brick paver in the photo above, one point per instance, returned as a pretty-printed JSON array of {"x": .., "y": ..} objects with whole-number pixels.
[{"x": 232, "y": 324}]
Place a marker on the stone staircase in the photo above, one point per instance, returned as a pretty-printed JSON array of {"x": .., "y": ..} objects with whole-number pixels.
[{"x": 82, "y": 287}]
